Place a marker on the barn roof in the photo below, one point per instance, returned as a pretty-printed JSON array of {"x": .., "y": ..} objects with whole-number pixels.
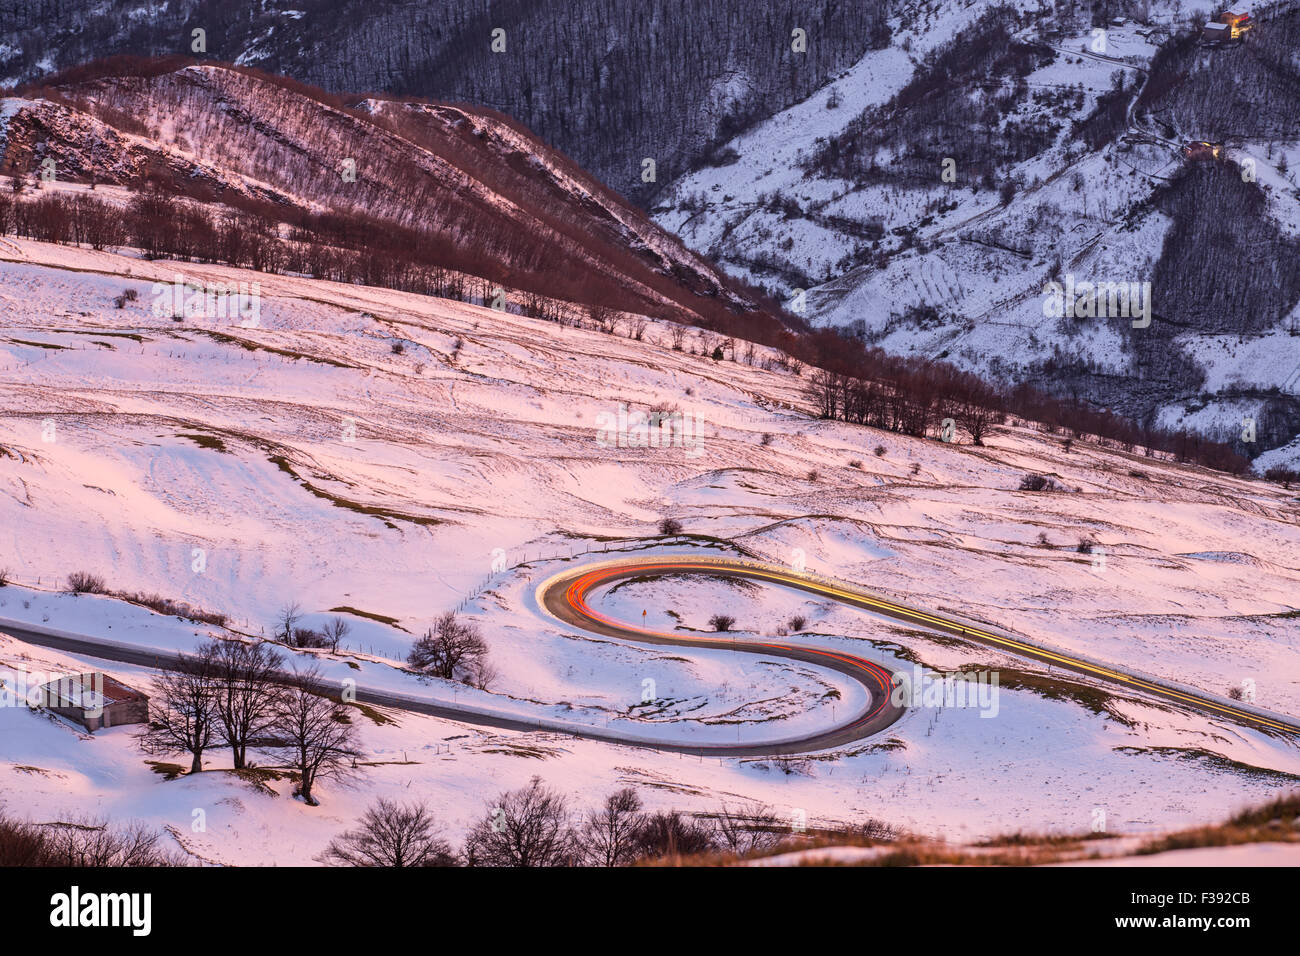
[{"x": 85, "y": 690}]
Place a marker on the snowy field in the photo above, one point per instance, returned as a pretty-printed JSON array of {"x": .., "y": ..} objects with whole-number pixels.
[{"x": 307, "y": 459}]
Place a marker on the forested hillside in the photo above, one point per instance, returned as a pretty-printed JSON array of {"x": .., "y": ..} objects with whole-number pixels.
[
  {"x": 609, "y": 82},
  {"x": 926, "y": 199},
  {"x": 412, "y": 195}
]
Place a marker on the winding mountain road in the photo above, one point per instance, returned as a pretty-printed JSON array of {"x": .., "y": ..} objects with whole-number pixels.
[{"x": 565, "y": 597}]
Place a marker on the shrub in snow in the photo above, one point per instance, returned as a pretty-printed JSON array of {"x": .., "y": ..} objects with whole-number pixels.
[
  {"x": 1039, "y": 483},
  {"x": 451, "y": 645},
  {"x": 83, "y": 582},
  {"x": 391, "y": 834},
  {"x": 670, "y": 526}
]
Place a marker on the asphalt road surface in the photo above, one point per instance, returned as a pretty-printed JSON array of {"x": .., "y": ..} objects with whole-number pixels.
[{"x": 565, "y": 597}]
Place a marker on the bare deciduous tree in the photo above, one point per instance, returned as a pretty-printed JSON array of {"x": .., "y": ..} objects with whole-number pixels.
[
  {"x": 526, "y": 827},
  {"x": 668, "y": 833},
  {"x": 449, "y": 646},
  {"x": 82, "y": 843},
  {"x": 336, "y": 629},
  {"x": 977, "y": 413},
  {"x": 95, "y": 843},
  {"x": 608, "y": 838},
  {"x": 183, "y": 711},
  {"x": 391, "y": 834},
  {"x": 287, "y": 622},
  {"x": 247, "y": 689},
  {"x": 748, "y": 831},
  {"x": 315, "y": 732}
]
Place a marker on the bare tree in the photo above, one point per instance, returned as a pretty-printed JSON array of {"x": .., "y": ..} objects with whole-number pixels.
[
  {"x": 668, "y": 833},
  {"x": 82, "y": 843},
  {"x": 391, "y": 834},
  {"x": 22, "y": 843},
  {"x": 336, "y": 629},
  {"x": 604, "y": 318},
  {"x": 608, "y": 838},
  {"x": 450, "y": 645},
  {"x": 525, "y": 827},
  {"x": 247, "y": 686},
  {"x": 287, "y": 622},
  {"x": 748, "y": 831},
  {"x": 977, "y": 413},
  {"x": 183, "y": 712},
  {"x": 315, "y": 732},
  {"x": 85, "y": 843}
]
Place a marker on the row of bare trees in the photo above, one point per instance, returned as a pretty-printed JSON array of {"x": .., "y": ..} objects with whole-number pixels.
[
  {"x": 916, "y": 407},
  {"x": 83, "y": 843},
  {"x": 907, "y": 395},
  {"x": 533, "y": 826},
  {"x": 854, "y": 381},
  {"x": 240, "y": 696}
]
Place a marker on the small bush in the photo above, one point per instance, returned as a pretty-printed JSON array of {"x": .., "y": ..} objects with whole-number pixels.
[
  {"x": 306, "y": 637},
  {"x": 1085, "y": 546},
  {"x": 4, "y": 577},
  {"x": 83, "y": 582},
  {"x": 1235, "y": 693},
  {"x": 880, "y": 451},
  {"x": 797, "y": 623},
  {"x": 398, "y": 347},
  {"x": 1286, "y": 477},
  {"x": 165, "y": 605},
  {"x": 721, "y": 622},
  {"x": 855, "y": 463},
  {"x": 120, "y": 301},
  {"x": 670, "y": 526},
  {"x": 1035, "y": 483},
  {"x": 766, "y": 439},
  {"x": 812, "y": 475}
]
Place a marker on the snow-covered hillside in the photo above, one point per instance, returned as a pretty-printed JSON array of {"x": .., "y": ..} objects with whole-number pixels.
[
  {"x": 462, "y": 187},
  {"x": 306, "y": 458},
  {"x": 926, "y": 197}
]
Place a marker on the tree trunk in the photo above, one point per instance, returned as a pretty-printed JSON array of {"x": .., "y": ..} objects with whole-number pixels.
[{"x": 196, "y": 765}]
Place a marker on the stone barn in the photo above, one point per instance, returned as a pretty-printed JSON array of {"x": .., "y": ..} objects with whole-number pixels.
[{"x": 96, "y": 700}]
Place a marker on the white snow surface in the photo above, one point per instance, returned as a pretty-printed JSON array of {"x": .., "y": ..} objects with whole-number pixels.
[{"x": 128, "y": 441}]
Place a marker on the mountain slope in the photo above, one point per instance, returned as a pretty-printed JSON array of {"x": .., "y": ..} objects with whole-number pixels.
[
  {"x": 1065, "y": 157},
  {"x": 609, "y": 83},
  {"x": 304, "y": 460},
  {"x": 458, "y": 188}
]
